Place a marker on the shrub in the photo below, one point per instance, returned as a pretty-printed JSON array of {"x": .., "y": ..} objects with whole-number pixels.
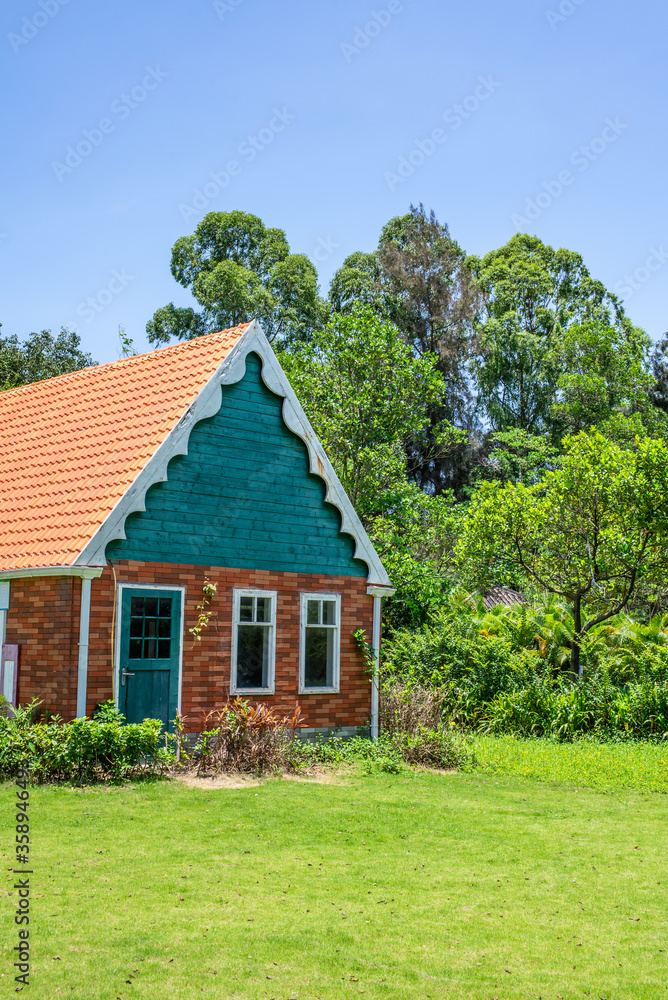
[
  {"x": 392, "y": 752},
  {"x": 244, "y": 737},
  {"x": 95, "y": 749},
  {"x": 407, "y": 708}
]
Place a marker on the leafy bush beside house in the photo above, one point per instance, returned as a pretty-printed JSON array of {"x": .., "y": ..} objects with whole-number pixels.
[
  {"x": 502, "y": 671},
  {"x": 101, "y": 748}
]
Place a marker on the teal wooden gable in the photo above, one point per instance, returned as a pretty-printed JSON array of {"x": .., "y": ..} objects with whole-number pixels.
[{"x": 242, "y": 497}]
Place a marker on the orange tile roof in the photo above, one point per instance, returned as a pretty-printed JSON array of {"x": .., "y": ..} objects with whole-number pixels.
[{"x": 71, "y": 446}]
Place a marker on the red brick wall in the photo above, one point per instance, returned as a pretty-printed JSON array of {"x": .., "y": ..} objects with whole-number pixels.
[{"x": 44, "y": 618}]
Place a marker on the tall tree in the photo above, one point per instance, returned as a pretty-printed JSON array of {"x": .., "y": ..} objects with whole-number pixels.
[
  {"x": 605, "y": 371},
  {"x": 659, "y": 364},
  {"x": 417, "y": 278},
  {"x": 365, "y": 393},
  {"x": 588, "y": 531},
  {"x": 237, "y": 270},
  {"x": 532, "y": 294},
  {"x": 40, "y": 356}
]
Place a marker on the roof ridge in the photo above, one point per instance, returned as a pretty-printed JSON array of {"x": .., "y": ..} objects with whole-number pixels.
[{"x": 180, "y": 345}]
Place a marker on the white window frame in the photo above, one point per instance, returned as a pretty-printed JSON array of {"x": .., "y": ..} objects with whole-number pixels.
[
  {"x": 238, "y": 593},
  {"x": 304, "y": 599}
]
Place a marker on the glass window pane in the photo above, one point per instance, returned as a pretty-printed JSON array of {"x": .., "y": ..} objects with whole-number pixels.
[
  {"x": 163, "y": 649},
  {"x": 150, "y": 649},
  {"x": 165, "y": 607},
  {"x": 151, "y": 607},
  {"x": 318, "y": 657},
  {"x": 164, "y": 628},
  {"x": 136, "y": 626},
  {"x": 246, "y": 609},
  {"x": 263, "y": 609},
  {"x": 329, "y": 612},
  {"x": 135, "y": 649},
  {"x": 137, "y": 606},
  {"x": 252, "y": 656},
  {"x": 312, "y": 613},
  {"x": 150, "y": 627}
]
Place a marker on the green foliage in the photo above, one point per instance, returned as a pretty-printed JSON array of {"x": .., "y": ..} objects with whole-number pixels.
[
  {"x": 587, "y": 531},
  {"x": 365, "y": 392},
  {"x": 40, "y": 356},
  {"x": 604, "y": 372},
  {"x": 515, "y": 456},
  {"x": 415, "y": 540},
  {"x": 83, "y": 750},
  {"x": 533, "y": 294},
  {"x": 501, "y": 671},
  {"x": 238, "y": 269},
  {"x": 391, "y": 752},
  {"x": 418, "y": 279}
]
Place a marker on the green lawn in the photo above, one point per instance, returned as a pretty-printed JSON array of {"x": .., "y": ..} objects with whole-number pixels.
[
  {"x": 390, "y": 886},
  {"x": 608, "y": 766}
]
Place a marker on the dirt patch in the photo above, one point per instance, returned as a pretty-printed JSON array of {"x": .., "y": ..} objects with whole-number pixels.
[
  {"x": 321, "y": 775},
  {"x": 314, "y": 775},
  {"x": 208, "y": 781}
]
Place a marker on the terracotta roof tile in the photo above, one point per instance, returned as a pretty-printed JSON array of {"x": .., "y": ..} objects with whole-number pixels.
[{"x": 71, "y": 446}]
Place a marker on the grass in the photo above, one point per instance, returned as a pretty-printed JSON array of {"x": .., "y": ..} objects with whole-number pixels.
[
  {"x": 416, "y": 885},
  {"x": 606, "y": 766}
]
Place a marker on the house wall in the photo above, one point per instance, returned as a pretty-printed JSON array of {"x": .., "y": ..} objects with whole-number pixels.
[{"x": 44, "y": 618}]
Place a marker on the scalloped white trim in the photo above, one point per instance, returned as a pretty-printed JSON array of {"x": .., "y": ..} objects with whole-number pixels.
[{"x": 207, "y": 404}]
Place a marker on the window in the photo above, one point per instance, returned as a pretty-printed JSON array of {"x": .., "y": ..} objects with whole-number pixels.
[
  {"x": 253, "y": 641},
  {"x": 319, "y": 643},
  {"x": 150, "y": 628}
]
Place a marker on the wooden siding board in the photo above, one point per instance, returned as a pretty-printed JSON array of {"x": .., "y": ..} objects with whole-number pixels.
[
  {"x": 246, "y": 491},
  {"x": 181, "y": 493}
]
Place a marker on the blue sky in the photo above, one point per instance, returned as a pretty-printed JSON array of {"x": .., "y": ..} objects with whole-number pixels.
[{"x": 547, "y": 116}]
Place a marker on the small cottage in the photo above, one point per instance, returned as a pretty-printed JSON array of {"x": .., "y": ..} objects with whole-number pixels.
[{"x": 136, "y": 497}]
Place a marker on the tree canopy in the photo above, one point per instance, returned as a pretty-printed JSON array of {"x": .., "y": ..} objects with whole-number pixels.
[
  {"x": 40, "y": 356},
  {"x": 587, "y": 531},
  {"x": 238, "y": 269},
  {"x": 532, "y": 295}
]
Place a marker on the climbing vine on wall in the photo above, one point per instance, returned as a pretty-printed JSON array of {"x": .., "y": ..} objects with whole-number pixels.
[{"x": 208, "y": 592}]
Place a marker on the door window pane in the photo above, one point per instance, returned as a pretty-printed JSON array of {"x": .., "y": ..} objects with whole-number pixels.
[{"x": 150, "y": 619}]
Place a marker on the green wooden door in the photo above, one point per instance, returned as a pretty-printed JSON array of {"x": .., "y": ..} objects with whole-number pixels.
[{"x": 149, "y": 661}]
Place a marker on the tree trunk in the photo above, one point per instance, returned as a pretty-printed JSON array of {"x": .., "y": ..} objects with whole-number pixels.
[{"x": 576, "y": 667}]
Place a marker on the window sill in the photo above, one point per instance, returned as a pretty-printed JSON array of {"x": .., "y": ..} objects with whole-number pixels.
[
  {"x": 251, "y": 691},
  {"x": 320, "y": 690}
]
